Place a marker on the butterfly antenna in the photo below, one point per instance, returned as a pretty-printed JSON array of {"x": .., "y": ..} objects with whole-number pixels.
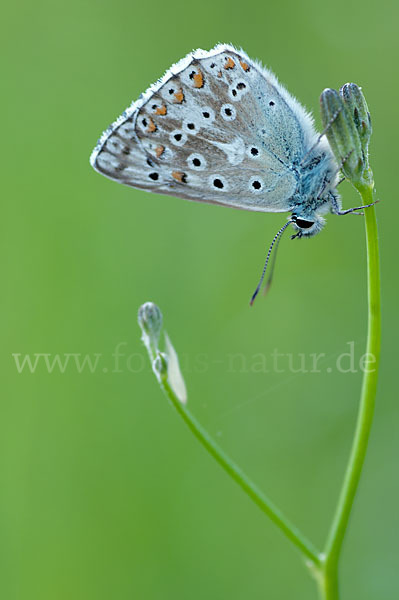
[
  {"x": 275, "y": 239},
  {"x": 271, "y": 269}
]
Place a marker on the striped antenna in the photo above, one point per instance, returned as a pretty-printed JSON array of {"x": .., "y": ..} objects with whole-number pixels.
[{"x": 275, "y": 239}]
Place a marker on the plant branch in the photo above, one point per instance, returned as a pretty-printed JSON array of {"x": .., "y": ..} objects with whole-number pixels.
[{"x": 262, "y": 501}]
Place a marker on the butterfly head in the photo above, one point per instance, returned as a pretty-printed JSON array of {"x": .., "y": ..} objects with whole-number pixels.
[{"x": 306, "y": 226}]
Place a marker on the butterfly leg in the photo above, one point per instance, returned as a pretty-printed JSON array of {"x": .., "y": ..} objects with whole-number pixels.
[
  {"x": 336, "y": 210},
  {"x": 352, "y": 210}
]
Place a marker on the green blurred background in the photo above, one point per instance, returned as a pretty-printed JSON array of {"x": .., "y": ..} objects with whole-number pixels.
[{"x": 105, "y": 494}]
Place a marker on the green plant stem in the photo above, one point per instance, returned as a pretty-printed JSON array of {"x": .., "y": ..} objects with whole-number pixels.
[
  {"x": 290, "y": 531},
  {"x": 328, "y": 575},
  {"x": 323, "y": 566}
]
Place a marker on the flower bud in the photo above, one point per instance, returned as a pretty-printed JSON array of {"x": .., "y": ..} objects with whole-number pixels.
[
  {"x": 352, "y": 96},
  {"x": 347, "y": 124},
  {"x": 164, "y": 364},
  {"x": 150, "y": 321}
]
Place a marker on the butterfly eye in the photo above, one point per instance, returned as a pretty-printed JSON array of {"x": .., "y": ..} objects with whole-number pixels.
[{"x": 303, "y": 224}]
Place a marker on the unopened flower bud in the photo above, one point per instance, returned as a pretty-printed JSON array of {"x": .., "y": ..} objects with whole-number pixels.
[
  {"x": 355, "y": 101},
  {"x": 150, "y": 321},
  {"x": 347, "y": 124}
]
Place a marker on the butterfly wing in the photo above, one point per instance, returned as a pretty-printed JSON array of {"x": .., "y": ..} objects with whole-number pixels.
[{"x": 216, "y": 128}]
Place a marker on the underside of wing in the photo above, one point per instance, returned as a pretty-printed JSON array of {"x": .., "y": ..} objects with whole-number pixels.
[{"x": 215, "y": 128}]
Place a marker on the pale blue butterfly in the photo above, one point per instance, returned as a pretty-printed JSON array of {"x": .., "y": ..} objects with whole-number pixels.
[{"x": 220, "y": 128}]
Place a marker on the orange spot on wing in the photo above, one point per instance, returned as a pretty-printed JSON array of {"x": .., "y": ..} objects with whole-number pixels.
[
  {"x": 151, "y": 126},
  {"x": 198, "y": 80},
  {"x": 159, "y": 150},
  {"x": 244, "y": 65},
  {"x": 161, "y": 110},
  {"x": 229, "y": 64},
  {"x": 220, "y": 74},
  {"x": 179, "y": 176},
  {"x": 179, "y": 96}
]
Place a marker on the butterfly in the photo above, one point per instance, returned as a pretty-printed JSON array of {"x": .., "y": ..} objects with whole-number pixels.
[{"x": 219, "y": 128}]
